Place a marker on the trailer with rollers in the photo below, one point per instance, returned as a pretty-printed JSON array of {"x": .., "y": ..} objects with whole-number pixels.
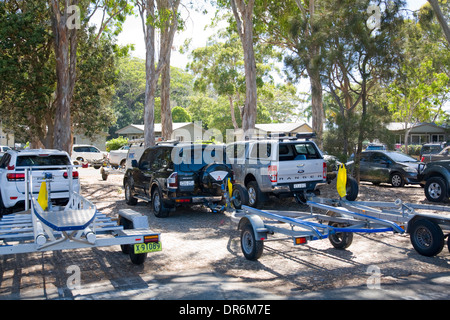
[
  {"x": 76, "y": 225},
  {"x": 338, "y": 220}
]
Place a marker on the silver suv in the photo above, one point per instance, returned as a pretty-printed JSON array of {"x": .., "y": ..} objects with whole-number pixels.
[
  {"x": 283, "y": 167},
  {"x": 12, "y": 176}
]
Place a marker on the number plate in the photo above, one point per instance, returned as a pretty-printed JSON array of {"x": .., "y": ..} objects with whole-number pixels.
[
  {"x": 299, "y": 185},
  {"x": 147, "y": 247}
]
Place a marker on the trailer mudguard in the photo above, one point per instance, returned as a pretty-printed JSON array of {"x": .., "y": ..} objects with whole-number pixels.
[{"x": 257, "y": 224}]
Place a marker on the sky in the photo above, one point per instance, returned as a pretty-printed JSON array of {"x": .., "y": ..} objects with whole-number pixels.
[{"x": 194, "y": 30}]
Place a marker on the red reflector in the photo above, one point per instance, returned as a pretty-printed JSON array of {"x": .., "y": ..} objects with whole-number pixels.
[
  {"x": 74, "y": 175},
  {"x": 13, "y": 198},
  {"x": 183, "y": 200}
]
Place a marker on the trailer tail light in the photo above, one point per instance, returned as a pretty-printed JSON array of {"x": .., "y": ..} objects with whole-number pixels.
[
  {"x": 74, "y": 175},
  {"x": 301, "y": 240},
  {"x": 172, "y": 181},
  {"x": 324, "y": 170},
  {"x": 15, "y": 176},
  {"x": 273, "y": 173}
]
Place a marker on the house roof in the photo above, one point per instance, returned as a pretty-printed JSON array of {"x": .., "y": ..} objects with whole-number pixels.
[
  {"x": 420, "y": 127},
  {"x": 282, "y": 127},
  {"x": 139, "y": 128}
]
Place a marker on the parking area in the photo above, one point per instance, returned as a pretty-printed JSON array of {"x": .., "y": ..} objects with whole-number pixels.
[{"x": 199, "y": 243}]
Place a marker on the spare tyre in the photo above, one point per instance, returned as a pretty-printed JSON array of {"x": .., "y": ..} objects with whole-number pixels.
[{"x": 213, "y": 176}]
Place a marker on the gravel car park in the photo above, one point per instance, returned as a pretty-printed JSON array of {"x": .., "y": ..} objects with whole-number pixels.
[{"x": 208, "y": 244}]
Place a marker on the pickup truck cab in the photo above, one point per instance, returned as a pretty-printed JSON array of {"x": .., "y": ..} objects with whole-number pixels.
[{"x": 280, "y": 167}]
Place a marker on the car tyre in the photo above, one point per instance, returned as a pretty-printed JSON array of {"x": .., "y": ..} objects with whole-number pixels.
[
  {"x": 159, "y": 210},
  {"x": 397, "y": 180},
  {"x": 436, "y": 189},
  {"x": 256, "y": 197},
  {"x": 129, "y": 199}
]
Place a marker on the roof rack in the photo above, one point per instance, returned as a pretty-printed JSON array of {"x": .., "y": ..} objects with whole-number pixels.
[{"x": 288, "y": 136}]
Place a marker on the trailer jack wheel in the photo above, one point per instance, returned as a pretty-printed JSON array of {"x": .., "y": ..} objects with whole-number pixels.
[{"x": 340, "y": 240}]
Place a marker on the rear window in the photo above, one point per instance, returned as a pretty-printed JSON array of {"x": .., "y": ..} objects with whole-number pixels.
[
  {"x": 38, "y": 161},
  {"x": 300, "y": 151}
]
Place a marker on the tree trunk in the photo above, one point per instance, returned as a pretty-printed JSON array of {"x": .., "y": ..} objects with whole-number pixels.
[
  {"x": 65, "y": 53},
  {"x": 243, "y": 14},
  {"x": 166, "y": 111},
  {"x": 440, "y": 17},
  {"x": 316, "y": 104},
  {"x": 153, "y": 72}
]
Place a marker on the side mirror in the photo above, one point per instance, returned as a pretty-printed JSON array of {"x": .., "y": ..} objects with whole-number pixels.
[{"x": 134, "y": 163}]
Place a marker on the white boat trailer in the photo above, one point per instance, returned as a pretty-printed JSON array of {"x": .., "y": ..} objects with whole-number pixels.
[
  {"x": 338, "y": 220},
  {"x": 75, "y": 226}
]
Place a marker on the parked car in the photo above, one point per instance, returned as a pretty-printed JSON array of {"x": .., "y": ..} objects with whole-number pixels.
[
  {"x": 375, "y": 146},
  {"x": 391, "y": 167},
  {"x": 12, "y": 176},
  {"x": 436, "y": 180},
  {"x": 444, "y": 154},
  {"x": 431, "y": 148},
  {"x": 291, "y": 167},
  {"x": 87, "y": 153},
  {"x": 173, "y": 174},
  {"x": 3, "y": 149},
  {"x": 118, "y": 158}
]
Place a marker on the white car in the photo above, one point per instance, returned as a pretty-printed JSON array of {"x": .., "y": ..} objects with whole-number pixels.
[
  {"x": 12, "y": 176},
  {"x": 3, "y": 149},
  {"x": 118, "y": 158},
  {"x": 87, "y": 153}
]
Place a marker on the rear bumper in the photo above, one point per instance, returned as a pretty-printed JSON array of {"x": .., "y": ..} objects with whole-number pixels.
[{"x": 192, "y": 200}]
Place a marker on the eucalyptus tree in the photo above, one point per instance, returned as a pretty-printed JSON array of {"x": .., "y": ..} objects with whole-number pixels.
[{"x": 156, "y": 15}]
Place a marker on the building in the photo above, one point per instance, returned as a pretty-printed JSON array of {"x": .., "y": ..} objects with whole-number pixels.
[
  {"x": 264, "y": 130},
  {"x": 420, "y": 133},
  {"x": 182, "y": 131}
]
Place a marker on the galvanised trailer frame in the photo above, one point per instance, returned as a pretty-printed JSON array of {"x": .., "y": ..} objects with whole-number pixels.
[
  {"x": 338, "y": 220},
  {"x": 77, "y": 225}
]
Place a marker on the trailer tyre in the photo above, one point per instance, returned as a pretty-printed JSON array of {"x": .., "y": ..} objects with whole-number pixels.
[
  {"x": 427, "y": 237},
  {"x": 251, "y": 248},
  {"x": 340, "y": 240},
  {"x": 129, "y": 248}
]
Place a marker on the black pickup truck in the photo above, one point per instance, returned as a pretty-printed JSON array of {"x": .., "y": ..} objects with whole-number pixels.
[{"x": 435, "y": 177}]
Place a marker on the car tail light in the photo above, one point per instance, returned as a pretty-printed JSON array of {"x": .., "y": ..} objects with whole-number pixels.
[
  {"x": 74, "y": 175},
  {"x": 324, "y": 170},
  {"x": 273, "y": 173},
  {"x": 172, "y": 181},
  {"x": 15, "y": 176}
]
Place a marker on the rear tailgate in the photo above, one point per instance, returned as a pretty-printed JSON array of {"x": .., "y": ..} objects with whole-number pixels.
[
  {"x": 300, "y": 162},
  {"x": 59, "y": 181}
]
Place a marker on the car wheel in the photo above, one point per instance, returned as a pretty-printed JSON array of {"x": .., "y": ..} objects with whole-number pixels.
[
  {"x": 256, "y": 197},
  {"x": 436, "y": 189},
  {"x": 158, "y": 205},
  {"x": 129, "y": 199},
  {"x": 397, "y": 180}
]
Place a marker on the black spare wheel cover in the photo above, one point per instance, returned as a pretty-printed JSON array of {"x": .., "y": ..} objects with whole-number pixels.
[{"x": 214, "y": 174}]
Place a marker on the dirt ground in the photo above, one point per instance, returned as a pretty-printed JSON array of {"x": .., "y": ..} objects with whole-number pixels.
[{"x": 197, "y": 239}]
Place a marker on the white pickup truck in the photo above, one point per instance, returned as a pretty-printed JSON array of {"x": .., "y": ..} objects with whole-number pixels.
[
  {"x": 281, "y": 167},
  {"x": 118, "y": 158}
]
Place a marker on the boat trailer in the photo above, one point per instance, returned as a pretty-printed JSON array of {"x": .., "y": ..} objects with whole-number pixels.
[{"x": 46, "y": 227}]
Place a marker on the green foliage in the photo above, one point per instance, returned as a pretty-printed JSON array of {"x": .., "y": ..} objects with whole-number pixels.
[
  {"x": 115, "y": 144},
  {"x": 180, "y": 114}
]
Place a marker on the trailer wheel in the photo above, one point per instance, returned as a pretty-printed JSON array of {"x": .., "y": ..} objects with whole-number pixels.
[
  {"x": 129, "y": 248},
  {"x": 138, "y": 258},
  {"x": 427, "y": 237},
  {"x": 251, "y": 248},
  {"x": 127, "y": 224},
  {"x": 340, "y": 240}
]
